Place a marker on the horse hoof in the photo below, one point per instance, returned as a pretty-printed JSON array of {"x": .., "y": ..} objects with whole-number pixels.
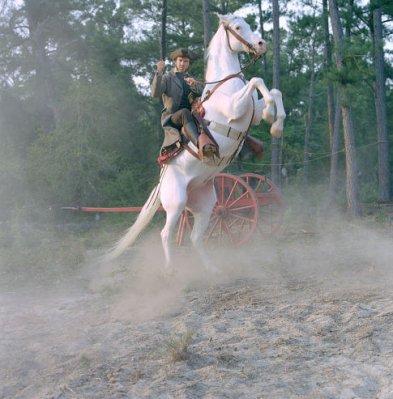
[
  {"x": 276, "y": 131},
  {"x": 268, "y": 117}
]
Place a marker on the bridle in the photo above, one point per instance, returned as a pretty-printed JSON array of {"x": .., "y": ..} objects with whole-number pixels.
[{"x": 251, "y": 48}]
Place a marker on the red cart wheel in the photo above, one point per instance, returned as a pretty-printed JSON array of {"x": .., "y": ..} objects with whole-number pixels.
[
  {"x": 271, "y": 205},
  {"x": 235, "y": 215}
]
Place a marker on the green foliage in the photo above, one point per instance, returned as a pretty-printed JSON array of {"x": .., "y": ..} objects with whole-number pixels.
[
  {"x": 75, "y": 129},
  {"x": 94, "y": 144}
]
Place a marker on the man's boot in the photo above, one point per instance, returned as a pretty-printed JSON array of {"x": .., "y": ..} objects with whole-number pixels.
[
  {"x": 206, "y": 148},
  {"x": 191, "y": 132}
]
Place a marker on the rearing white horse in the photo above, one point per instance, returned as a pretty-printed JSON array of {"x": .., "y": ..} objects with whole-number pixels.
[{"x": 232, "y": 106}]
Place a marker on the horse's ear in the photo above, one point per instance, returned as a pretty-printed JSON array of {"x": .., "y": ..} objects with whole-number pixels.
[{"x": 224, "y": 19}]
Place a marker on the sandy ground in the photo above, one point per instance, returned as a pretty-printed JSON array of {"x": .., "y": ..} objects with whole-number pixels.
[{"x": 308, "y": 317}]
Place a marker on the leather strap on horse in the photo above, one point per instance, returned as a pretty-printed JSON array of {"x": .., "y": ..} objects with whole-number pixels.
[
  {"x": 219, "y": 83},
  {"x": 226, "y": 130},
  {"x": 241, "y": 40},
  {"x": 191, "y": 151}
]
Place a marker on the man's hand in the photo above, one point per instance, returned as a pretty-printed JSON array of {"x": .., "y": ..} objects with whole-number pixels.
[
  {"x": 190, "y": 81},
  {"x": 160, "y": 66}
]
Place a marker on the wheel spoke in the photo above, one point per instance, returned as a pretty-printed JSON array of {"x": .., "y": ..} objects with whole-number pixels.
[
  {"x": 213, "y": 227},
  {"x": 230, "y": 194},
  {"x": 235, "y": 216},
  {"x": 242, "y": 223},
  {"x": 228, "y": 231},
  {"x": 245, "y": 194},
  {"x": 222, "y": 190},
  {"x": 259, "y": 184},
  {"x": 241, "y": 208},
  {"x": 220, "y": 230},
  {"x": 245, "y": 218}
]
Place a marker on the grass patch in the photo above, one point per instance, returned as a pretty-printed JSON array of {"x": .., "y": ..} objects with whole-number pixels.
[{"x": 177, "y": 346}]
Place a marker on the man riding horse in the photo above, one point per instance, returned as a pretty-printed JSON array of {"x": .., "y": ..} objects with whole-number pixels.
[
  {"x": 232, "y": 106},
  {"x": 178, "y": 90}
]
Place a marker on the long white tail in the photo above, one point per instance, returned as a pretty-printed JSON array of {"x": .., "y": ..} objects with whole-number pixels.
[{"x": 143, "y": 219}]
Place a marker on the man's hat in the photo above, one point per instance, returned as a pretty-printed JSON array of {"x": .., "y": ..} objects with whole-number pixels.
[{"x": 182, "y": 52}]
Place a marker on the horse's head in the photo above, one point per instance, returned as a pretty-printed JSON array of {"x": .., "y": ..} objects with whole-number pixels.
[{"x": 240, "y": 37}]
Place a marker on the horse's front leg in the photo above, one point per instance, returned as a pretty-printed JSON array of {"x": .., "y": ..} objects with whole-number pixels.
[
  {"x": 240, "y": 100},
  {"x": 278, "y": 126},
  {"x": 201, "y": 223},
  {"x": 268, "y": 110}
]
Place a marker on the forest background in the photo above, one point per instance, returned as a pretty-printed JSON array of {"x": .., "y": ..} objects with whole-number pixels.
[{"x": 78, "y": 126}]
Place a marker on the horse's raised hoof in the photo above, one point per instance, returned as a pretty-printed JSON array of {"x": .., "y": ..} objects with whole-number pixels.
[
  {"x": 268, "y": 115},
  {"x": 276, "y": 131}
]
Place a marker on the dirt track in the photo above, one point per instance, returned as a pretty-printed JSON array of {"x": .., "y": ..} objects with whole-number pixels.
[{"x": 311, "y": 320}]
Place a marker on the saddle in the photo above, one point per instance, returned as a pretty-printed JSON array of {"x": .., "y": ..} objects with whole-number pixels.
[
  {"x": 255, "y": 145},
  {"x": 205, "y": 139},
  {"x": 169, "y": 153}
]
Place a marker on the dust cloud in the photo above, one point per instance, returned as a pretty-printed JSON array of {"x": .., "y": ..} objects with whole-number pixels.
[
  {"x": 333, "y": 255},
  {"x": 100, "y": 330}
]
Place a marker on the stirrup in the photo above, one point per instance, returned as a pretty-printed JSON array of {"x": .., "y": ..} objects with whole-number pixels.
[{"x": 207, "y": 149}]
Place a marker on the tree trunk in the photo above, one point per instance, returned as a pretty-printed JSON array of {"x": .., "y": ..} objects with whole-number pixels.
[
  {"x": 163, "y": 30},
  {"x": 44, "y": 80},
  {"x": 333, "y": 181},
  {"x": 380, "y": 107},
  {"x": 333, "y": 112},
  {"x": 328, "y": 67},
  {"x": 308, "y": 121},
  {"x": 207, "y": 29},
  {"x": 276, "y": 143},
  {"x": 352, "y": 186},
  {"x": 265, "y": 66}
]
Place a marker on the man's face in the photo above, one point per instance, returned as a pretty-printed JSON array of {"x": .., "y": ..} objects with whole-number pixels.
[{"x": 182, "y": 64}]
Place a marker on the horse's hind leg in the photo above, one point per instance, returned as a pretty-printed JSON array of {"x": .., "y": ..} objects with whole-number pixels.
[
  {"x": 167, "y": 233},
  {"x": 173, "y": 200},
  {"x": 201, "y": 203},
  {"x": 201, "y": 223}
]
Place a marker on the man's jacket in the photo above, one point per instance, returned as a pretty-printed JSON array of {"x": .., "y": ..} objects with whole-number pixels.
[{"x": 169, "y": 86}]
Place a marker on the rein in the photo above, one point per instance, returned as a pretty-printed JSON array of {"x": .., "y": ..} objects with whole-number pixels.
[
  {"x": 209, "y": 93},
  {"x": 218, "y": 83},
  {"x": 255, "y": 58}
]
